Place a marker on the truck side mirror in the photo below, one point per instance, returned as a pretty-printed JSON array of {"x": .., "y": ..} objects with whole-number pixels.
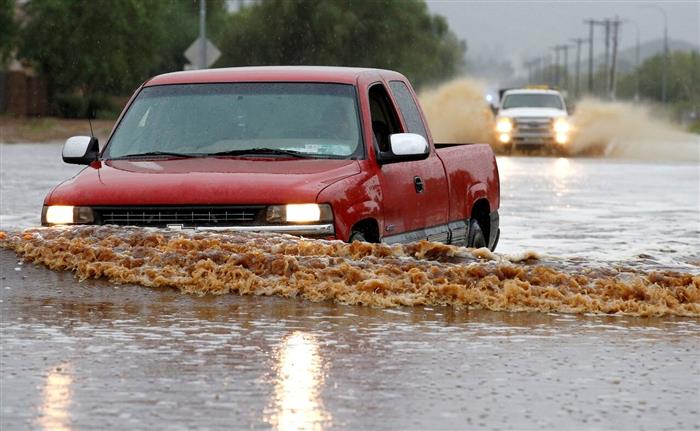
[
  {"x": 404, "y": 147},
  {"x": 81, "y": 150}
]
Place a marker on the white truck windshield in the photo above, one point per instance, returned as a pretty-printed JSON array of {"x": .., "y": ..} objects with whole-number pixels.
[
  {"x": 314, "y": 120},
  {"x": 532, "y": 101}
]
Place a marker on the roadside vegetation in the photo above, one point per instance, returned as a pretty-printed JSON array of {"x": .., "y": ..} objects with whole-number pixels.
[
  {"x": 683, "y": 92},
  {"x": 644, "y": 84},
  {"x": 91, "y": 51}
]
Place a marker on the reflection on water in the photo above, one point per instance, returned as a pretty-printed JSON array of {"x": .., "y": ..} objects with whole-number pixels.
[
  {"x": 56, "y": 399},
  {"x": 297, "y": 404},
  {"x": 561, "y": 172},
  {"x": 562, "y": 168}
]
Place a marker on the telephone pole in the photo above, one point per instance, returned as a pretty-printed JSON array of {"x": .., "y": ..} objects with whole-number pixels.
[
  {"x": 615, "y": 39},
  {"x": 556, "y": 65},
  {"x": 591, "y": 23},
  {"x": 564, "y": 68},
  {"x": 607, "y": 25},
  {"x": 577, "y": 84},
  {"x": 636, "y": 59},
  {"x": 565, "y": 48}
]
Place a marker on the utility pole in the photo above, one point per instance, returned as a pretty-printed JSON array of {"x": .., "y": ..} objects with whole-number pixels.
[
  {"x": 607, "y": 24},
  {"x": 528, "y": 64},
  {"x": 539, "y": 72},
  {"x": 591, "y": 23},
  {"x": 565, "y": 68},
  {"x": 548, "y": 69},
  {"x": 636, "y": 60},
  {"x": 577, "y": 84},
  {"x": 615, "y": 39},
  {"x": 203, "y": 34},
  {"x": 565, "y": 48},
  {"x": 556, "y": 65}
]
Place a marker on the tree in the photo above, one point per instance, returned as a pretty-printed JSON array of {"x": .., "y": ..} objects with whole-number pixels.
[
  {"x": 100, "y": 47},
  {"x": 95, "y": 46},
  {"x": 683, "y": 79},
  {"x": 181, "y": 19},
  {"x": 382, "y": 33},
  {"x": 9, "y": 29}
]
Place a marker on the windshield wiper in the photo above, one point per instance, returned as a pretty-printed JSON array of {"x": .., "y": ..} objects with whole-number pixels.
[
  {"x": 156, "y": 153},
  {"x": 272, "y": 151}
]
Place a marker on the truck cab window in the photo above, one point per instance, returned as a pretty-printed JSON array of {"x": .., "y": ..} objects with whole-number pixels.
[
  {"x": 409, "y": 109},
  {"x": 384, "y": 119}
]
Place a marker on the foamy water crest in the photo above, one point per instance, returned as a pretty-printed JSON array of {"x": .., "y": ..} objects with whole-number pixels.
[{"x": 378, "y": 275}]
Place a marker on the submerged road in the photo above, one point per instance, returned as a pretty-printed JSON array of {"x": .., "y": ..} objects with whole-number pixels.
[{"x": 93, "y": 355}]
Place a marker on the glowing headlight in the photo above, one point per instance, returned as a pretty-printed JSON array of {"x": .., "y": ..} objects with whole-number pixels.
[
  {"x": 59, "y": 214},
  {"x": 299, "y": 213},
  {"x": 303, "y": 213},
  {"x": 504, "y": 125},
  {"x": 561, "y": 126},
  {"x": 66, "y": 214}
]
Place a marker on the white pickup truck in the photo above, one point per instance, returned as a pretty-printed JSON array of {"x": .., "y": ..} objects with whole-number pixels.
[{"x": 531, "y": 119}]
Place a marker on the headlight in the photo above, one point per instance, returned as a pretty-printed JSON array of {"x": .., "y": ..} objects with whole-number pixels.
[
  {"x": 504, "y": 125},
  {"x": 66, "y": 214},
  {"x": 299, "y": 213},
  {"x": 561, "y": 138},
  {"x": 561, "y": 126}
]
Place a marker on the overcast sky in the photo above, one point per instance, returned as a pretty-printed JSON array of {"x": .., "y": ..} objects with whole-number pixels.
[{"x": 523, "y": 29}]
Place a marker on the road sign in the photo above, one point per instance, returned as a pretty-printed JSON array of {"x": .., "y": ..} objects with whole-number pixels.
[{"x": 193, "y": 53}]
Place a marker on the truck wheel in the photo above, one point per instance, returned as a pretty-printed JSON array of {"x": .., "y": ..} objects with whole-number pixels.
[
  {"x": 476, "y": 236},
  {"x": 356, "y": 235}
]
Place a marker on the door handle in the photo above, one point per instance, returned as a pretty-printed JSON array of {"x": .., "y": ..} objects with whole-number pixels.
[{"x": 418, "y": 182}]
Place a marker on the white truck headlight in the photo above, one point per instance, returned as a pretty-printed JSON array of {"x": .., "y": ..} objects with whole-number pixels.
[
  {"x": 504, "y": 125},
  {"x": 561, "y": 126},
  {"x": 66, "y": 214},
  {"x": 299, "y": 213}
]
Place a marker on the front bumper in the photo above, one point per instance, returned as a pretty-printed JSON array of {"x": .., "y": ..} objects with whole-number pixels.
[
  {"x": 533, "y": 139},
  {"x": 241, "y": 218},
  {"x": 312, "y": 230}
]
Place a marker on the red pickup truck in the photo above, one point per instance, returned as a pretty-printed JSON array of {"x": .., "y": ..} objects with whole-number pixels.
[{"x": 327, "y": 152}]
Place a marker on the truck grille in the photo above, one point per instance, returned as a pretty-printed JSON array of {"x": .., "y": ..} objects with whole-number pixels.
[
  {"x": 186, "y": 216},
  {"x": 533, "y": 125}
]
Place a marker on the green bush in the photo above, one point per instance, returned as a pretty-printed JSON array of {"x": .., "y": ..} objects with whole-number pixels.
[
  {"x": 75, "y": 106},
  {"x": 69, "y": 106},
  {"x": 694, "y": 127}
]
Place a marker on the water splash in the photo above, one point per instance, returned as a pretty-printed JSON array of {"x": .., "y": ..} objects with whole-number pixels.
[
  {"x": 457, "y": 112},
  {"x": 619, "y": 129},
  {"x": 378, "y": 275}
]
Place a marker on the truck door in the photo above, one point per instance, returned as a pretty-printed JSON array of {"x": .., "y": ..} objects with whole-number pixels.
[{"x": 415, "y": 198}]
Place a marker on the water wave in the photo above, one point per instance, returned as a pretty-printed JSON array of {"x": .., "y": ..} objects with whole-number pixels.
[{"x": 377, "y": 275}]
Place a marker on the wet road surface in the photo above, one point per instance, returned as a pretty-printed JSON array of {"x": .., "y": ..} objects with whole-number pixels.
[{"x": 94, "y": 355}]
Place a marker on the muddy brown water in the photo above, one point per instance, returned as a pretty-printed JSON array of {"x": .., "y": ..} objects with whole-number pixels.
[{"x": 93, "y": 354}]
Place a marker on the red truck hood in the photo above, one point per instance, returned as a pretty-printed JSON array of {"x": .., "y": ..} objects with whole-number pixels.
[{"x": 211, "y": 181}]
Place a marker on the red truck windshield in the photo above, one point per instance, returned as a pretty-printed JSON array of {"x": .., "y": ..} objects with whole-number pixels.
[{"x": 312, "y": 119}]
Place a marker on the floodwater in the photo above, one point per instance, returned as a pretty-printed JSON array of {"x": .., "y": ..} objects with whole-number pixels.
[{"x": 93, "y": 354}]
